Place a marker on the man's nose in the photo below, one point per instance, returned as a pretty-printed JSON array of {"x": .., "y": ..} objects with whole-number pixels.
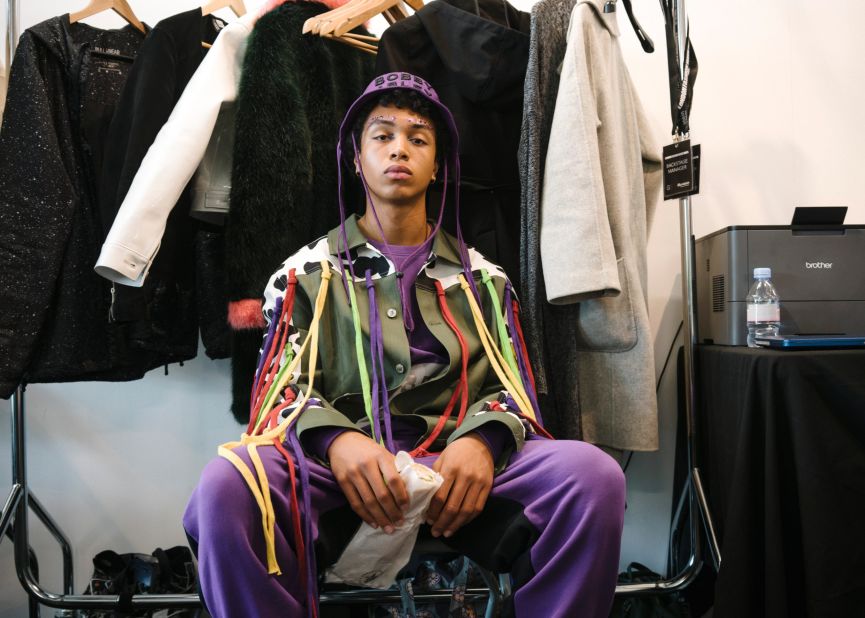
[{"x": 398, "y": 149}]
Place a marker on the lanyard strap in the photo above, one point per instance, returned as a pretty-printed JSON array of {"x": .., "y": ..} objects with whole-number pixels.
[
  {"x": 260, "y": 488},
  {"x": 270, "y": 546},
  {"x": 312, "y": 340},
  {"x": 681, "y": 83}
]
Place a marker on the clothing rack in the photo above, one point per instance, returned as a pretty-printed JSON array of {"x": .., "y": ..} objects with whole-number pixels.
[
  {"x": 21, "y": 498},
  {"x": 699, "y": 504}
]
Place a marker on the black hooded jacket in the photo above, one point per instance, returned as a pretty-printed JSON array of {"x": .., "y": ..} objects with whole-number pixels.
[
  {"x": 185, "y": 288},
  {"x": 54, "y": 327},
  {"x": 475, "y": 55}
]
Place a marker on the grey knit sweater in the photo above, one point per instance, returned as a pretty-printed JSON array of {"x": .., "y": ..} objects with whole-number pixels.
[{"x": 555, "y": 373}]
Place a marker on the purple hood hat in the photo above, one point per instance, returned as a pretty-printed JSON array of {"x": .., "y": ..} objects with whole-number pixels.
[
  {"x": 386, "y": 82},
  {"x": 347, "y": 150}
]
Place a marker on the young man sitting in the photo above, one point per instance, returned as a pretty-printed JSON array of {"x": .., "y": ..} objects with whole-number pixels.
[{"x": 390, "y": 334}]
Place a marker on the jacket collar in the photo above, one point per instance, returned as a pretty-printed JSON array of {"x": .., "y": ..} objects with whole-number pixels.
[
  {"x": 444, "y": 245},
  {"x": 609, "y": 20}
]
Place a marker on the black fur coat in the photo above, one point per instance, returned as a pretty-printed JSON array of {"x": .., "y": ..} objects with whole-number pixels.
[{"x": 294, "y": 91}]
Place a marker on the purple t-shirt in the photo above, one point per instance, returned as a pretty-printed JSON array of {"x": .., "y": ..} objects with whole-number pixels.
[{"x": 423, "y": 346}]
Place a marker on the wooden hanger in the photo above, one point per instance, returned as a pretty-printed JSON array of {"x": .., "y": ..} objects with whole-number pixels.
[
  {"x": 121, "y": 7},
  {"x": 357, "y": 12},
  {"x": 337, "y": 23},
  {"x": 236, "y": 6}
]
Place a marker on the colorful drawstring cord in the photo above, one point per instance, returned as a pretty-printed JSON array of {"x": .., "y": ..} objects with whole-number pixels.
[
  {"x": 264, "y": 361},
  {"x": 376, "y": 347},
  {"x": 461, "y": 390},
  {"x": 505, "y": 343},
  {"x": 283, "y": 309},
  {"x": 358, "y": 348},
  {"x": 522, "y": 353},
  {"x": 497, "y": 361},
  {"x": 405, "y": 298},
  {"x": 282, "y": 432}
]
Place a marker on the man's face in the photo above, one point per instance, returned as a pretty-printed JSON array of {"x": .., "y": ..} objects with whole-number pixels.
[{"x": 397, "y": 155}]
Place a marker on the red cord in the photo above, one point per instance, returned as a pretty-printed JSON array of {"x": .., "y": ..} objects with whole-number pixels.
[
  {"x": 299, "y": 546},
  {"x": 284, "y": 321},
  {"x": 525, "y": 351},
  {"x": 274, "y": 414},
  {"x": 282, "y": 331},
  {"x": 462, "y": 385},
  {"x": 256, "y": 399}
]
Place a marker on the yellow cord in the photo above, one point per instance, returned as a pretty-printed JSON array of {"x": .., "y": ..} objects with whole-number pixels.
[
  {"x": 272, "y": 566},
  {"x": 499, "y": 364},
  {"x": 261, "y": 488}
]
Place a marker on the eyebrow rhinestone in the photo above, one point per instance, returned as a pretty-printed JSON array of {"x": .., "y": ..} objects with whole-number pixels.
[{"x": 377, "y": 118}]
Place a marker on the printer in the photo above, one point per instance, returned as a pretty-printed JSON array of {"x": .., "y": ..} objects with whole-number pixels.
[{"x": 817, "y": 268}]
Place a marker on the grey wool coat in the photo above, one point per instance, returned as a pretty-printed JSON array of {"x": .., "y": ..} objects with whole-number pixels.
[{"x": 600, "y": 186}]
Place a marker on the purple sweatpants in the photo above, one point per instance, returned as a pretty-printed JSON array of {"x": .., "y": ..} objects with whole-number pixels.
[{"x": 553, "y": 520}]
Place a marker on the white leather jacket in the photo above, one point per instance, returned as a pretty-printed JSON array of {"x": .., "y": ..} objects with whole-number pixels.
[{"x": 171, "y": 161}]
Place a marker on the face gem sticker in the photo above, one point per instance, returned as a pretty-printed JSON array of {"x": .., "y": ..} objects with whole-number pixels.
[
  {"x": 420, "y": 122},
  {"x": 375, "y": 119}
]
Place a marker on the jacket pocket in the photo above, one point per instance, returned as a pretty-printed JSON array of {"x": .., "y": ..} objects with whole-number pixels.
[{"x": 608, "y": 324}]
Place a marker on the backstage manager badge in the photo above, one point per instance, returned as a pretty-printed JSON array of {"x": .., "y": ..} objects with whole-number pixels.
[{"x": 680, "y": 169}]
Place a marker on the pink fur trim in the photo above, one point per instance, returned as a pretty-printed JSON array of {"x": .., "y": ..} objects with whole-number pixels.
[
  {"x": 245, "y": 314},
  {"x": 272, "y": 4}
]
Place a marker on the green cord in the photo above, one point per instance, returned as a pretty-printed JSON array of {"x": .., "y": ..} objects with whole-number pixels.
[
  {"x": 361, "y": 359},
  {"x": 504, "y": 340},
  {"x": 271, "y": 392}
]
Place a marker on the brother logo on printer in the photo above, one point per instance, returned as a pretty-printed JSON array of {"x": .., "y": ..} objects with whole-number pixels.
[{"x": 818, "y": 264}]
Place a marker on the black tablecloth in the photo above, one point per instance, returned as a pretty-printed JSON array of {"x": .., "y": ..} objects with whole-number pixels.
[{"x": 782, "y": 450}]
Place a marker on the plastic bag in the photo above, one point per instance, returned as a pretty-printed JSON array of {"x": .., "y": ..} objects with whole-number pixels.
[{"x": 373, "y": 558}]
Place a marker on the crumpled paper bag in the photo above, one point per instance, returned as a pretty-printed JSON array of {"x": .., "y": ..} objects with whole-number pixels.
[{"x": 373, "y": 558}]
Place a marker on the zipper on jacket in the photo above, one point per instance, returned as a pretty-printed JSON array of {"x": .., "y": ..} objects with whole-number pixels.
[{"x": 111, "y": 307}]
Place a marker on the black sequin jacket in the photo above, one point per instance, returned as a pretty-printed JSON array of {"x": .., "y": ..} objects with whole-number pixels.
[{"x": 64, "y": 83}]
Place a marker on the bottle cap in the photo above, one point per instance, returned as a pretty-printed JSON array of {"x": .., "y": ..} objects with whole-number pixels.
[{"x": 762, "y": 273}]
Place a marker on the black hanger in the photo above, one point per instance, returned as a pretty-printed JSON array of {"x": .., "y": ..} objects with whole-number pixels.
[{"x": 646, "y": 43}]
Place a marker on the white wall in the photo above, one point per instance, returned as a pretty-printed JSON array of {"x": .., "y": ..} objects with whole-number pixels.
[{"x": 775, "y": 108}]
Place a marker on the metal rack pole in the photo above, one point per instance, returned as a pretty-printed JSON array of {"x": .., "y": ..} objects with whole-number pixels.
[
  {"x": 26, "y": 500},
  {"x": 689, "y": 317}
]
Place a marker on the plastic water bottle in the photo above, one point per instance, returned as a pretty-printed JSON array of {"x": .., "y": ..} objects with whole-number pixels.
[{"x": 764, "y": 307}]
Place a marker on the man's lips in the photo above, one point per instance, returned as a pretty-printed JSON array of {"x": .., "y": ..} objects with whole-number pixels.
[{"x": 398, "y": 171}]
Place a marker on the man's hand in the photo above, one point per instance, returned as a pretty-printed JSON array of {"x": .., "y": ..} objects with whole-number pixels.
[
  {"x": 367, "y": 475},
  {"x": 467, "y": 467}
]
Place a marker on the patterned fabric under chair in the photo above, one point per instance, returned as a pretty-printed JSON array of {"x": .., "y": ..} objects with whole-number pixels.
[{"x": 438, "y": 582}]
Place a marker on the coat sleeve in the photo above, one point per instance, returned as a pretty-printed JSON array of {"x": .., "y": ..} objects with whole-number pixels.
[
  {"x": 171, "y": 161},
  {"x": 577, "y": 251},
  {"x": 37, "y": 200},
  {"x": 144, "y": 106}
]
